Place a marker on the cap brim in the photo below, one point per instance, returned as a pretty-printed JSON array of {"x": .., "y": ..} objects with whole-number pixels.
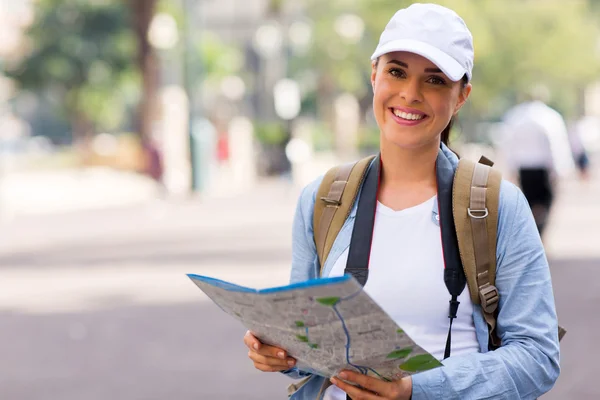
[{"x": 449, "y": 66}]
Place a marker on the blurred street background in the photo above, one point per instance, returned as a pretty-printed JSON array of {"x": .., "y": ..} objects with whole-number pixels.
[{"x": 141, "y": 140}]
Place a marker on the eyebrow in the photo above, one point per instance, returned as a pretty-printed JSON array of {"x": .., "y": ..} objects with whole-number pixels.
[{"x": 403, "y": 64}]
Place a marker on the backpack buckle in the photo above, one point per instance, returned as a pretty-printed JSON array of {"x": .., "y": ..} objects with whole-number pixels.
[
  {"x": 481, "y": 213},
  {"x": 359, "y": 273},
  {"x": 488, "y": 297},
  {"x": 331, "y": 202}
]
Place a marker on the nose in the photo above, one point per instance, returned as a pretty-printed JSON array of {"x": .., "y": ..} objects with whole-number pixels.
[{"x": 411, "y": 91}]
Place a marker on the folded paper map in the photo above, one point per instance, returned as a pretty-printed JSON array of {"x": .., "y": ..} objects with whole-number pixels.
[{"x": 326, "y": 324}]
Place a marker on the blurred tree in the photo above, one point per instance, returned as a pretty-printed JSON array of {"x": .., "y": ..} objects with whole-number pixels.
[
  {"x": 148, "y": 111},
  {"x": 142, "y": 12},
  {"x": 81, "y": 60}
]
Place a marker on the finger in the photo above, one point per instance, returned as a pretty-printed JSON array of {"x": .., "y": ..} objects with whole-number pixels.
[
  {"x": 373, "y": 384},
  {"x": 251, "y": 341},
  {"x": 354, "y": 392},
  {"x": 268, "y": 368},
  {"x": 266, "y": 350},
  {"x": 272, "y": 351},
  {"x": 259, "y": 358}
]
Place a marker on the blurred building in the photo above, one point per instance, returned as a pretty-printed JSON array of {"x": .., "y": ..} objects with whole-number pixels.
[{"x": 254, "y": 40}]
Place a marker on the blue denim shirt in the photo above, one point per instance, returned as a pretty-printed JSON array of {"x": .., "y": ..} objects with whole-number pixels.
[{"x": 527, "y": 364}]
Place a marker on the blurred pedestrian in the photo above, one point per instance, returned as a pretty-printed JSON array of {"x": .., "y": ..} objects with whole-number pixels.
[
  {"x": 580, "y": 153},
  {"x": 537, "y": 152}
]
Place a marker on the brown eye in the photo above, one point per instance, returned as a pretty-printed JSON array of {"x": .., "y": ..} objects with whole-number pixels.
[
  {"x": 396, "y": 72},
  {"x": 436, "y": 80}
]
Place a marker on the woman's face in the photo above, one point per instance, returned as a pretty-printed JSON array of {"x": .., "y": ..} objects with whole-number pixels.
[{"x": 413, "y": 100}]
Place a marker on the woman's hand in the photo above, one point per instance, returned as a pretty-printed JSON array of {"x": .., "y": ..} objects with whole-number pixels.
[
  {"x": 373, "y": 388},
  {"x": 267, "y": 358}
]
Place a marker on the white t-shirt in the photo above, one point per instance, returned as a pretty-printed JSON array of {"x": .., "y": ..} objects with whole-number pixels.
[{"x": 406, "y": 279}]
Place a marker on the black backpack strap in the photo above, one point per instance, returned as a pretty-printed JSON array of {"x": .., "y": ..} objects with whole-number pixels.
[
  {"x": 454, "y": 275},
  {"x": 362, "y": 233}
]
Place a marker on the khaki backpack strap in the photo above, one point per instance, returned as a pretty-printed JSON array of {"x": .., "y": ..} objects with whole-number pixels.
[
  {"x": 480, "y": 217},
  {"x": 335, "y": 198},
  {"x": 294, "y": 387},
  {"x": 476, "y": 198},
  {"x": 475, "y": 207}
]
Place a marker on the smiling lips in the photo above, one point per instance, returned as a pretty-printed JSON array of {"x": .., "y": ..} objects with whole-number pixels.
[{"x": 407, "y": 117}]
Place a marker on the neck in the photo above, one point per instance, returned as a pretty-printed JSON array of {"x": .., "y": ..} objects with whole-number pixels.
[{"x": 402, "y": 167}]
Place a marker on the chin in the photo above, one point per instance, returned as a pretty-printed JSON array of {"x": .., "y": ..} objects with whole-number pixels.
[{"x": 409, "y": 142}]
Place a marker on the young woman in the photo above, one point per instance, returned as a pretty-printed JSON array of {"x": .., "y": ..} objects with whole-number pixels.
[{"x": 421, "y": 72}]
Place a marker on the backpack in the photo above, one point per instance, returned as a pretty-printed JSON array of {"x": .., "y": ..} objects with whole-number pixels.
[{"x": 475, "y": 200}]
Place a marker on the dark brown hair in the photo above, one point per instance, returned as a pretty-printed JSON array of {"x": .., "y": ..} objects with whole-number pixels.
[{"x": 445, "y": 137}]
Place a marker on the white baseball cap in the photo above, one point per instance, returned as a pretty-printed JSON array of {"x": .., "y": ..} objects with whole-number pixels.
[{"x": 434, "y": 32}]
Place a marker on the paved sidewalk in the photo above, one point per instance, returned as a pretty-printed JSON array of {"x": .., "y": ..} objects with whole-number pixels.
[{"x": 46, "y": 192}]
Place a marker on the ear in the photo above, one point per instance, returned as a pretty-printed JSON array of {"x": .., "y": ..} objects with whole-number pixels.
[
  {"x": 462, "y": 97},
  {"x": 373, "y": 74}
]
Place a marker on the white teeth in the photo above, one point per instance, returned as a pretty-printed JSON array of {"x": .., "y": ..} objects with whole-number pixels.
[{"x": 412, "y": 117}]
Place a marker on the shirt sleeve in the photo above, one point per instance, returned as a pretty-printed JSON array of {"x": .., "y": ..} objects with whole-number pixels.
[
  {"x": 305, "y": 263},
  {"x": 527, "y": 364}
]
